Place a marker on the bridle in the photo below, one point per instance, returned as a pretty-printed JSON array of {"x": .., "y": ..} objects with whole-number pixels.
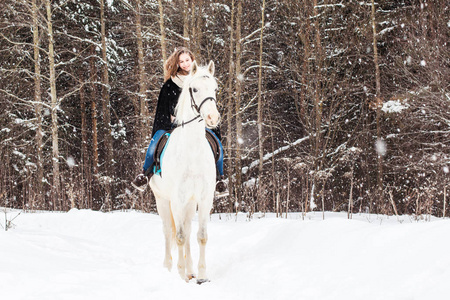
[{"x": 197, "y": 108}]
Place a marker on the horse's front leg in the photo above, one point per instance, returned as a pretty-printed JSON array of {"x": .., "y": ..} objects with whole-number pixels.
[
  {"x": 181, "y": 242},
  {"x": 187, "y": 247},
  {"x": 183, "y": 221},
  {"x": 166, "y": 217},
  {"x": 202, "y": 238},
  {"x": 167, "y": 229}
]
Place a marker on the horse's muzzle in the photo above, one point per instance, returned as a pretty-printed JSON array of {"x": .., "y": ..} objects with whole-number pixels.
[{"x": 212, "y": 119}]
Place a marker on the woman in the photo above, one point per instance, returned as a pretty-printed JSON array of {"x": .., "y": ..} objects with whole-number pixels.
[{"x": 177, "y": 68}]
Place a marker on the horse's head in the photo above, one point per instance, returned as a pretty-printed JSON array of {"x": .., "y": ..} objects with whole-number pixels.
[{"x": 200, "y": 87}]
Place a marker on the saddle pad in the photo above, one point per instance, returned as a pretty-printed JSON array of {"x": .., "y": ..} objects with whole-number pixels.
[{"x": 159, "y": 151}]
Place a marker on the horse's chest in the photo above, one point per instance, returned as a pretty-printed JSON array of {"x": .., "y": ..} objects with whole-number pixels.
[{"x": 190, "y": 157}]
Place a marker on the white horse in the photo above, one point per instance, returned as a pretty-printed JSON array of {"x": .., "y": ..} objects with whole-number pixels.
[{"x": 187, "y": 180}]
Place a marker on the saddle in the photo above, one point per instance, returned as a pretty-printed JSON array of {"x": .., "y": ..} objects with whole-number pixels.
[{"x": 162, "y": 143}]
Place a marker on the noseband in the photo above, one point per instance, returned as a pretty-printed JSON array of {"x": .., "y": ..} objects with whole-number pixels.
[{"x": 197, "y": 108}]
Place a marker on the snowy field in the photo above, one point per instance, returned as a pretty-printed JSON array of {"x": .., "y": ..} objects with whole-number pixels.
[{"x": 84, "y": 254}]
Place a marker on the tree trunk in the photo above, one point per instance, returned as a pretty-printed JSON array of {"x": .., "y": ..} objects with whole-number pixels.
[
  {"x": 93, "y": 80},
  {"x": 106, "y": 112},
  {"x": 260, "y": 101},
  {"x": 288, "y": 188},
  {"x": 38, "y": 201},
  {"x": 304, "y": 37},
  {"x": 445, "y": 200},
  {"x": 143, "y": 129},
  {"x": 186, "y": 23},
  {"x": 379, "y": 105},
  {"x": 54, "y": 109},
  {"x": 199, "y": 31},
  {"x": 85, "y": 170},
  {"x": 350, "y": 198},
  {"x": 317, "y": 97},
  {"x": 163, "y": 33},
  {"x": 230, "y": 102},
  {"x": 192, "y": 24},
  {"x": 239, "y": 79}
]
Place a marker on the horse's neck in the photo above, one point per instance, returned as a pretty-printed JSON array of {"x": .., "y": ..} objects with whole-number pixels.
[
  {"x": 194, "y": 130},
  {"x": 191, "y": 126}
]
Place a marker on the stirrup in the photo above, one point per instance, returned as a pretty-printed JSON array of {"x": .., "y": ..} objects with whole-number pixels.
[
  {"x": 221, "y": 189},
  {"x": 139, "y": 184}
]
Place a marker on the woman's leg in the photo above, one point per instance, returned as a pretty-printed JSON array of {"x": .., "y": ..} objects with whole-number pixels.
[
  {"x": 148, "y": 163},
  {"x": 219, "y": 164},
  {"x": 141, "y": 181}
]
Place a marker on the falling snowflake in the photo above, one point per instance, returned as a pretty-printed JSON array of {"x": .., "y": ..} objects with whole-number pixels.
[
  {"x": 380, "y": 146},
  {"x": 70, "y": 162}
]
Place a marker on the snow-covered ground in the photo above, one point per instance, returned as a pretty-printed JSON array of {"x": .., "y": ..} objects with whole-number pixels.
[{"x": 84, "y": 254}]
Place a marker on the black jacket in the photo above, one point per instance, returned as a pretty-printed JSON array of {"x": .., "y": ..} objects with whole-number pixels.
[{"x": 167, "y": 101}]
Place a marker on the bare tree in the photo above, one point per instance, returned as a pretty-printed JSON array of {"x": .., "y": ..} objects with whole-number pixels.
[
  {"x": 260, "y": 100},
  {"x": 54, "y": 108},
  {"x": 143, "y": 129},
  {"x": 38, "y": 110},
  {"x": 163, "y": 33},
  {"x": 238, "y": 91},
  {"x": 379, "y": 104},
  {"x": 106, "y": 106}
]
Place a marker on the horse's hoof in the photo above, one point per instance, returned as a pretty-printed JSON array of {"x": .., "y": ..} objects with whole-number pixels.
[
  {"x": 191, "y": 276},
  {"x": 168, "y": 264},
  {"x": 202, "y": 281}
]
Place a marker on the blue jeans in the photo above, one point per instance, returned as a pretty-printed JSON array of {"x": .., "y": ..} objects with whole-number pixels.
[
  {"x": 148, "y": 163},
  {"x": 219, "y": 164}
]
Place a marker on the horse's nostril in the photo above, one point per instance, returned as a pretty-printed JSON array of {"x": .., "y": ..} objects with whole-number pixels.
[{"x": 212, "y": 118}]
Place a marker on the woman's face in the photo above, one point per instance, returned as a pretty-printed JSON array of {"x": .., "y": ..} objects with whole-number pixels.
[{"x": 185, "y": 62}]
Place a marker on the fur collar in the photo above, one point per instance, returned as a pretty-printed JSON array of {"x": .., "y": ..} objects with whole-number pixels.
[{"x": 178, "y": 80}]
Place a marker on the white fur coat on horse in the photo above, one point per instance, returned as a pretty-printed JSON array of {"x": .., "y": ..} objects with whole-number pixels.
[{"x": 187, "y": 180}]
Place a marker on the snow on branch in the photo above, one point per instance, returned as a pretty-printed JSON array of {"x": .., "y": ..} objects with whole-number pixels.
[
  {"x": 270, "y": 155},
  {"x": 330, "y": 5},
  {"x": 382, "y": 32},
  {"x": 254, "y": 32}
]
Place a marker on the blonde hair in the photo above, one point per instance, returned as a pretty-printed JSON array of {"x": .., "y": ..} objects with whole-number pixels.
[{"x": 171, "y": 65}]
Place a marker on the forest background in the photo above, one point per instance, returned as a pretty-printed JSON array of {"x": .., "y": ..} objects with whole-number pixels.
[{"x": 326, "y": 105}]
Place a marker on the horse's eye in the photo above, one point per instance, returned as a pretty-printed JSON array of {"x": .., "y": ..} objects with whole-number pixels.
[{"x": 195, "y": 90}]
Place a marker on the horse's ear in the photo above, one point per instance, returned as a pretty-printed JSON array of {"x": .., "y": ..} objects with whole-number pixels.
[
  {"x": 211, "y": 67},
  {"x": 194, "y": 68}
]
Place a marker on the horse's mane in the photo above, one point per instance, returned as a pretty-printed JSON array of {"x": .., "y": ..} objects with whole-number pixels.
[{"x": 183, "y": 109}]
